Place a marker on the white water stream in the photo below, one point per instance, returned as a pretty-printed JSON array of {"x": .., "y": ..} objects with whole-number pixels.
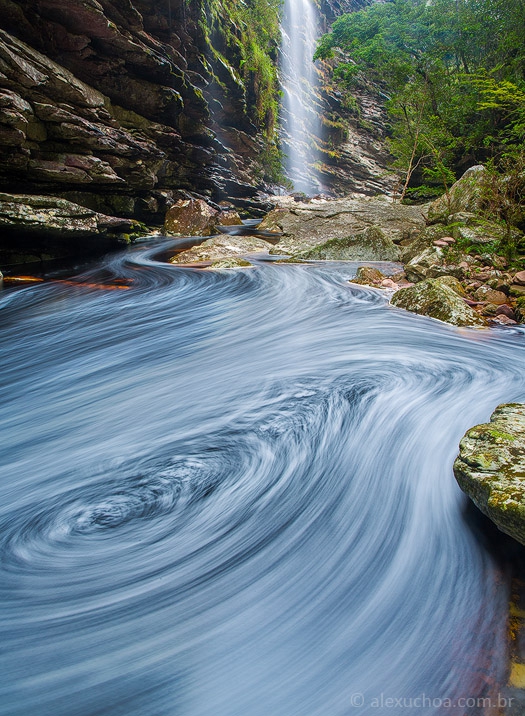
[{"x": 300, "y": 119}]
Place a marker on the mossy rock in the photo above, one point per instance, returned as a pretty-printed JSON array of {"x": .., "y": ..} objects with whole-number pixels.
[
  {"x": 368, "y": 245},
  {"x": 453, "y": 283},
  {"x": 229, "y": 264},
  {"x": 368, "y": 276},
  {"x": 490, "y": 468},
  {"x": 464, "y": 196},
  {"x": 435, "y": 299}
]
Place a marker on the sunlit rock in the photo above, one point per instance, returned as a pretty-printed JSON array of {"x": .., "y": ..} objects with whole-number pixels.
[
  {"x": 434, "y": 298},
  {"x": 222, "y": 248}
]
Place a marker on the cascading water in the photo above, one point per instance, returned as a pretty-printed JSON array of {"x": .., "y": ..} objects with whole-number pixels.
[{"x": 300, "y": 112}]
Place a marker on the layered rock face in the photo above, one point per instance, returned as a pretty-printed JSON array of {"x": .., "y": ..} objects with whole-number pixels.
[{"x": 103, "y": 103}]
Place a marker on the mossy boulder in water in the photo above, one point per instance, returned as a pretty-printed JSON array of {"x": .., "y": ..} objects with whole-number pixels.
[
  {"x": 368, "y": 245},
  {"x": 435, "y": 299},
  {"x": 490, "y": 468}
]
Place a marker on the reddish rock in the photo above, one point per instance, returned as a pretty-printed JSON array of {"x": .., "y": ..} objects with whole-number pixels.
[
  {"x": 388, "y": 283},
  {"x": 440, "y": 242},
  {"x": 229, "y": 218},
  {"x": 190, "y": 217},
  {"x": 505, "y": 310},
  {"x": 505, "y": 321},
  {"x": 448, "y": 239},
  {"x": 486, "y": 293},
  {"x": 519, "y": 278}
]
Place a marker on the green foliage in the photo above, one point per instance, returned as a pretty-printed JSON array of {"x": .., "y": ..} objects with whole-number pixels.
[
  {"x": 454, "y": 73},
  {"x": 243, "y": 35}
]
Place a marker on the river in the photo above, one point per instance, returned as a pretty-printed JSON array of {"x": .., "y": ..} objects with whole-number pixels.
[{"x": 231, "y": 493}]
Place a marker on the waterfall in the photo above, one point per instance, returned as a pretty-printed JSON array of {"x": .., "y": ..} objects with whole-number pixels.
[{"x": 300, "y": 119}]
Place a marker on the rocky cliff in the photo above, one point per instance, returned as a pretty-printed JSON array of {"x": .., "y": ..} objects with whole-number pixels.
[{"x": 107, "y": 103}]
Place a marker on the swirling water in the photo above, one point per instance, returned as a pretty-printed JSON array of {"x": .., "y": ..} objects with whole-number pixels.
[{"x": 231, "y": 493}]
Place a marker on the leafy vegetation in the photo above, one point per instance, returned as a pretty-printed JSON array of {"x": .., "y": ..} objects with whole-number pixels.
[
  {"x": 244, "y": 36},
  {"x": 452, "y": 73}
]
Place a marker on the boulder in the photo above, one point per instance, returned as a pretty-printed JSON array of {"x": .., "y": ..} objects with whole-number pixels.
[
  {"x": 465, "y": 195},
  {"x": 434, "y": 298},
  {"x": 368, "y": 276},
  {"x": 229, "y": 218},
  {"x": 190, "y": 217},
  {"x": 368, "y": 245},
  {"x": 453, "y": 283},
  {"x": 519, "y": 278},
  {"x": 486, "y": 293},
  {"x": 490, "y": 468},
  {"x": 222, "y": 248},
  {"x": 306, "y": 225}
]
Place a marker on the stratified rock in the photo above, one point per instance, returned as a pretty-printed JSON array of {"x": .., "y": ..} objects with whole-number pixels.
[
  {"x": 368, "y": 245},
  {"x": 437, "y": 300},
  {"x": 490, "y": 468},
  {"x": 463, "y": 196},
  {"x": 35, "y": 216},
  {"x": 221, "y": 248},
  {"x": 190, "y": 217},
  {"x": 305, "y": 226}
]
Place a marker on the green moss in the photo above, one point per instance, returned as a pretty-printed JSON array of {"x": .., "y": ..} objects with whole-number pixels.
[{"x": 245, "y": 37}]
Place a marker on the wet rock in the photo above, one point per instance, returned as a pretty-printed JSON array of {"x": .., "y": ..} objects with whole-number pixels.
[
  {"x": 437, "y": 300},
  {"x": 305, "y": 226},
  {"x": 190, "y": 217},
  {"x": 490, "y": 468},
  {"x": 222, "y": 248},
  {"x": 464, "y": 196},
  {"x": 368, "y": 245}
]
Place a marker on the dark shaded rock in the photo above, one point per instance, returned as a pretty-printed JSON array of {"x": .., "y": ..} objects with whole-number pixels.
[
  {"x": 437, "y": 300},
  {"x": 490, "y": 468},
  {"x": 41, "y": 227}
]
